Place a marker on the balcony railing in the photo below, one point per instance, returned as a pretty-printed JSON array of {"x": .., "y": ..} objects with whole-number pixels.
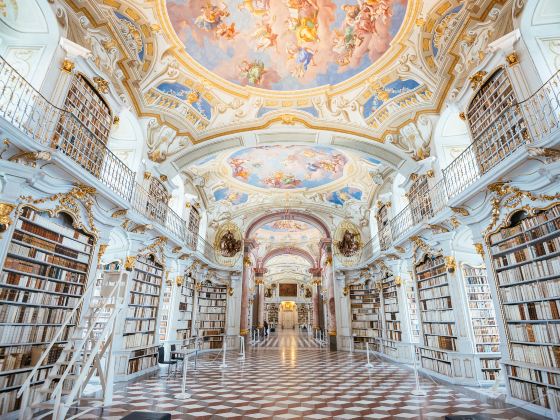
[
  {"x": 27, "y": 110},
  {"x": 525, "y": 122}
]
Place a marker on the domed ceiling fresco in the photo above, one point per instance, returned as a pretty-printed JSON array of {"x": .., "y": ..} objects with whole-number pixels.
[
  {"x": 287, "y": 167},
  {"x": 286, "y": 44}
]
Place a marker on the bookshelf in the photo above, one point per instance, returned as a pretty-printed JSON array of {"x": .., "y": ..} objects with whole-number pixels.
[
  {"x": 186, "y": 309},
  {"x": 87, "y": 106},
  {"x": 211, "y": 315},
  {"x": 412, "y": 312},
  {"x": 272, "y": 310},
  {"x": 439, "y": 330},
  {"x": 365, "y": 307},
  {"x": 383, "y": 226},
  {"x": 392, "y": 331},
  {"x": 420, "y": 199},
  {"x": 140, "y": 335},
  {"x": 43, "y": 278},
  {"x": 525, "y": 258},
  {"x": 491, "y": 102},
  {"x": 304, "y": 316},
  {"x": 165, "y": 311},
  {"x": 483, "y": 320}
]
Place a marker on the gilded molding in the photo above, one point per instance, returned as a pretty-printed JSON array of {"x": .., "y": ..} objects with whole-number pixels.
[
  {"x": 101, "y": 252},
  {"x": 119, "y": 213},
  {"x": 450, "y": 264},
  {"x": 5, "y": 220},
  {"x": 129, "y": 262},
  {"x": 479, "y": 249},
  {"x": 68, "y": 66},
  {"x": 477, "y": 78},
  {"x": 460, "y": 210},
  {"x": 512, "y": 59},
  {"x": 398, "y": 281},
  {"x": 102, "y": 84}
]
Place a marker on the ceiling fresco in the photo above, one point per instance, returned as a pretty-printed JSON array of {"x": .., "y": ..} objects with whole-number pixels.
[
  {"x": 287, "y": 167},
  {"x": 286, "y": 45},
  {"x": 290, "y": 233}
]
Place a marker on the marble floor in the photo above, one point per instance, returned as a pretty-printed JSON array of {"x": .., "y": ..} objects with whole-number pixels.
[{"x": 289, "y": 377}]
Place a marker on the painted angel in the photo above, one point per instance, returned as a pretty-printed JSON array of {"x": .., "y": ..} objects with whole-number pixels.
[
  {"x": 253, "y": 72},
  {"x": 211, "y": 16}
]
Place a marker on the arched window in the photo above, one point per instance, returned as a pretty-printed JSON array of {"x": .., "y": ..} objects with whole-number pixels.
[
  {"x": 83, "y": 133},
  {"x": 497, "y": 126}
]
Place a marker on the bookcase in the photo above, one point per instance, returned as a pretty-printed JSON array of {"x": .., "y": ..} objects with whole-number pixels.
[
  {"x": 392, "y": 331},
  {"x": 211, "y": 316},
  {"x": 165, "y": 311},
  {"x": 272, "y": 310},
  {"x": 87, "y": 106},
  {"x": 44, "y": 275},
  {"x": 439, "y": 330},
  {"x": 493, "y": 101},
  {"x": 420, "y": 199},
  {"x": 140, "y": 335},
  {"x": 186, "y": 309},
  {"x": 365, "y": 307},
  {"x": 412, "y": 312},
  {"x": 483, "y": 320},
  {"x": 304, "y": 315},
  {"x": 525, "y": 258},
  {"x": 383, "y": 226}
]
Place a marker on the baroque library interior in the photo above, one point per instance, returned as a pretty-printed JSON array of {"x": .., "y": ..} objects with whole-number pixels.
[{"x": 352, "y": 214}]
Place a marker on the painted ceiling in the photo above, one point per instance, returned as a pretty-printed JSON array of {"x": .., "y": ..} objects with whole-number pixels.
[
  {"x": 286, "y": 45},
  {"x": 287, "y": 167}
]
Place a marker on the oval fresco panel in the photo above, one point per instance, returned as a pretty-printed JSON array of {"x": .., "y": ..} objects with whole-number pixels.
[
  {"x": 287, "y": 167},
  {"x": 286, "y": 44}
]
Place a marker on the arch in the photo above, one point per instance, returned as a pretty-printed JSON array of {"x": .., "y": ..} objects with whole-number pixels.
[
  {"x": 283, "y": 215},
  {"x": 289, "y": 250}
]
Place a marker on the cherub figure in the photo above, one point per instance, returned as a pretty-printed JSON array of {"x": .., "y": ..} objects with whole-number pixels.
[
  {"x": 302, "y": 57},
  {"x": 264, "y": 36},
  {"x": 253, "y": 72},
  {"x": 211, "y": 16}
]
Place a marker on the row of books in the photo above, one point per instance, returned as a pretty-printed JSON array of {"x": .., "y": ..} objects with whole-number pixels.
[
  {"x": 488, "y": 348},
  {"x": 147, "y": 267},
  {"x": 38, "y": 283},
  {"x": 480, "y": 287},
  {"x": 57, "y": 235},
  {"x": 139, "y": 287},
  {"x": 40, "y": 256},
  {"x": 183, "y": 334},
  {"x": 480, "y": 315},
  {"x": 36, "y": 297},
  {"x": 490, "y": 363},
  {"x": 546, "y": 247},
  {"x": 212, "y": 303},
  {"x": 434, "y": 354},
  {"x": 436, "y": 303},
  {"x": 210, "y": 316},
  {"x": 185, "y": 307},
  {"x": 46, "y": 222},
  {"x": 27, "y": 238},
  {"x": 18, "y": 314},
  {"x": 211, "y": 324},
  {"x": 527, "y": 391},
  {"x": 530, "y": 271},
  {"x": 367, "y": 332},
  {"x": 429, "y": 263},
  {"x": 391, "y": 308},
  {"x": 535, "y": 333},
  {"x": 435, "y": 280},
  {"x": 393, "y": 335},
  {"x": 437, "y": 366},
  {"x": 544, "y": 355},
  {"x": 476, "y": 296},
  {"x": 444, "y": 343},
  {"x": 481, "y": 305},
  {"x": 141, "y": 363},
  {"x": 139, "y": 340},
  {"x": 515, "y": 257},
  {"x": 366, "y": 324},
  {"x": 438, "y": 316},
  {"x": 141, "y": 312},
  {"x": 534, "y": 375},
  {"x": 531, "y": 291},
  {"x": 204, "y": 309},
  {"x": 55, "y": 273},
  {"x": 526, "y": 224},
  {"x": 145, "y": 300},
  {"x": 147, "y": 277},
  {"x": 19, "y": 334},
  {"x": 440, "y": 329},
  {"x": 139, "y": 325},
  {"x": 532, "y": 311},
  {"x": 434, "y": 292}
]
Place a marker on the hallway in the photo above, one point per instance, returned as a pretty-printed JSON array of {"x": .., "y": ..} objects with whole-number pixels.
[
  {"x": 289, "y": 339},
  {"x": 292, "y": 383}
]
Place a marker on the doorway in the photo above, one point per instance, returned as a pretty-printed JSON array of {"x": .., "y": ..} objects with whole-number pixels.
[{"x": 287, "y": 319}]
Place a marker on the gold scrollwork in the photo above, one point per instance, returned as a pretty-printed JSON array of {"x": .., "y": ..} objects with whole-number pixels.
[
  {"x": 460, "y": 210},
  {"x": 450, "y": 264},
  {"x": 479, "y": 249},
  {"x": 129, "y": 262},
  {"x": 68, "y": 66},
  {"x": 101, "y": 252},
  {"x": 512, "y": 59},
  {"x": 5, "y": 220},
  {"x": 398, "y": 281},
  {"x": 102, "y": 84},
  {"x": 477, "y": 78}
]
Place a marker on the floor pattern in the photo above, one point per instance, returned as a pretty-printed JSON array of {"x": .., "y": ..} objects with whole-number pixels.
[
  {"x": 293, "y": 383},
  {"x": 288, "y": 339}
]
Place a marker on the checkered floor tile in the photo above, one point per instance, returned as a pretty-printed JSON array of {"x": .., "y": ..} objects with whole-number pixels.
[{"x": 284, "y": 381}]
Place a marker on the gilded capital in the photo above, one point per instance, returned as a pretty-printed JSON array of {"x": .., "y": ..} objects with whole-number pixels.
[
  {"x": 479, "y": 249},
  {"x": 129, "y": 263},
  {"x": 68, "y": 66},
  {"x": 5, "y": 220},
  {"x": 450, "y": 264}
]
